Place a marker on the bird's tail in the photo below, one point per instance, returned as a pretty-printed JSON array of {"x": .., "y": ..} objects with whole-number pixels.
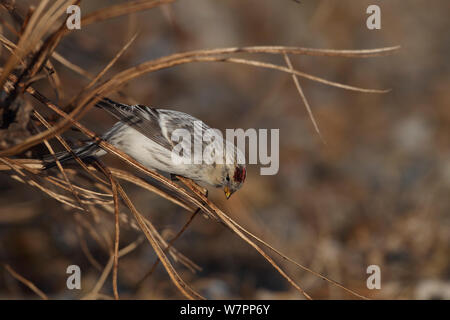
[
  {"x": 82, "y": 152},
  {"x": 88, "y": 150}
]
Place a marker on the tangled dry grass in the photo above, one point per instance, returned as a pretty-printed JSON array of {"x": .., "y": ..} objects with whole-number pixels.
[{"x": 97, "y": 189}]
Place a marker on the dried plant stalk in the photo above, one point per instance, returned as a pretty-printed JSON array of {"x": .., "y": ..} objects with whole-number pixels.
[{"x": 29, "y": 56}]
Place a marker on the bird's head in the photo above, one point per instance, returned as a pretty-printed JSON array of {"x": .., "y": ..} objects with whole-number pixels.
[{"x": 233, "y": 178}]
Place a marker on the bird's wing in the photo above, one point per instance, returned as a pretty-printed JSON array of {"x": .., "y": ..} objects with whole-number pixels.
[
  {"x": 213, "y": 145},
  {"x": 172, "y": 120},
  {"x": 144, "y": 119},
  {"x": 159, "y": 125}
]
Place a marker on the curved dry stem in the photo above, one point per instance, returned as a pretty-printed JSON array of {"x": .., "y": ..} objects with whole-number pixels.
[
  {"x": 179, "y": 233},
  {"x": 113, "y": 183},
  {"x": 60, "y": 167},
  {"x": 126, "y": 176},
  {"x": 302, "y": 95},
  {"x": 209, "y": 208},
  {"x": 225, "y": 219},
  {"x": 26, "y": 282},
  {"x": 122, "y": 9},
  {"x": 99, "y": 284},
  {"x": 149, "y": 231},
  {"x": 41, "y": 22},
  {"x": 127, "y": 75}
]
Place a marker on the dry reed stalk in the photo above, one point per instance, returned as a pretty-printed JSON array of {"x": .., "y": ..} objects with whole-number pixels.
[
  {"x": 122, "y": 9},
  {"x": 114, "y": 185},
  {"x": 32, "y": 52},
  {"x": 302, "y": 95},
  {"x": 122, "y": 252},
  {"x": 26, "y": 282},
  {"x": 89, "y": 98},
  {"x": 212, "y": 212},
  {"x": 179, "y": 233}
]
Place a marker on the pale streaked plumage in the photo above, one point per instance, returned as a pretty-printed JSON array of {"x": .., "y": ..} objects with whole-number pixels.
[{"x": 145, "y": 134}]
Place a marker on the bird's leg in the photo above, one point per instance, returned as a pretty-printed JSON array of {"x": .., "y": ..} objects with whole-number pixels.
[
  {"x": 197, "y": 187},
  {"x": 200, "y": 189}
]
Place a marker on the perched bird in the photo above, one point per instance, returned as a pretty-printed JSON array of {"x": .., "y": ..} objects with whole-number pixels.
[{"x": 145, "y": 134}]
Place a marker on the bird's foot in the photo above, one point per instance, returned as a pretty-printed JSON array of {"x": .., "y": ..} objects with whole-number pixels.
[
  {"x": 193, "y": 184},
  {"x": 200, "y": 189}
]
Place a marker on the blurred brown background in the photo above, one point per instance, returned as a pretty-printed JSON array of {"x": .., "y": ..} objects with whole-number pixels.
[{"x": 377, "y": 193}]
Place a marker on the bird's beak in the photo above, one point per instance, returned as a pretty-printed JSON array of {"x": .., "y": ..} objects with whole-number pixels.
[{"x": 227, "y": 192}]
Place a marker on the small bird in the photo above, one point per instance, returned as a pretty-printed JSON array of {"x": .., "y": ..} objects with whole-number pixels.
[{"x": 145, "y": 134}]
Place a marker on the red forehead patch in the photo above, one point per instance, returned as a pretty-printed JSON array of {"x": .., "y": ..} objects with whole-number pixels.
[{"x": 239, "y": 174}]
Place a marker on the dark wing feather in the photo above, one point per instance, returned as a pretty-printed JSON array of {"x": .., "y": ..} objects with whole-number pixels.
[
  {"x": 174, "y": 120},
  {"x": 141, "y": 118}
]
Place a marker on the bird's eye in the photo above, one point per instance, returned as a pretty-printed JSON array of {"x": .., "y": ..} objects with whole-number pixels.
[{"x": 228, "y": 178}]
